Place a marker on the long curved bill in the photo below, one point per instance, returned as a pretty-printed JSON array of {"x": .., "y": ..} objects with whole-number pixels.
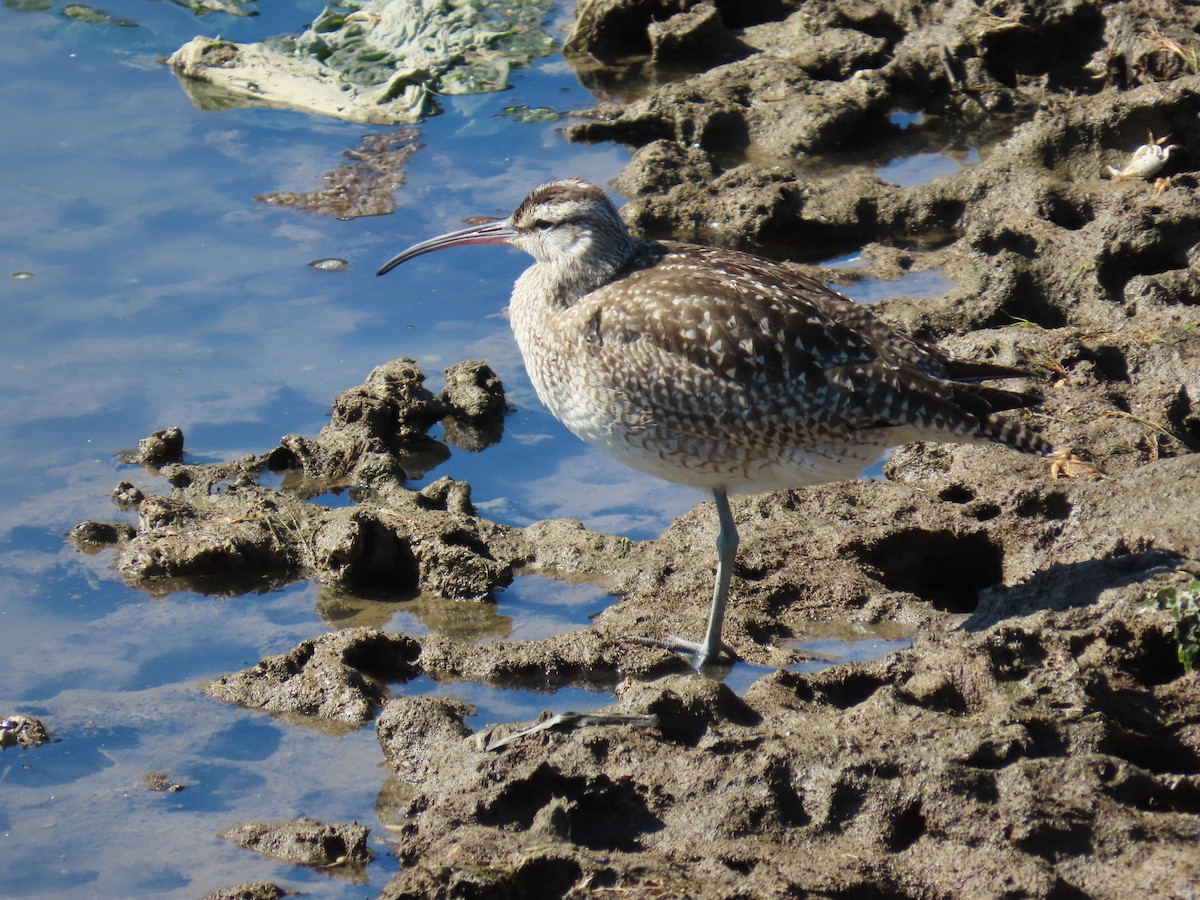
[{"x": 489, "y": 233}]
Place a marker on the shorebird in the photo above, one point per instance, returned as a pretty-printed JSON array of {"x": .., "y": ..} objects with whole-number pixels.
[{"x": 718, "y": 369}]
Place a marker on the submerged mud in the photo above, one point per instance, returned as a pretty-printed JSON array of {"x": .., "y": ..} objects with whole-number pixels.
[
  {"x": 335, "y": 847},
  {"x": 1041, "y": 737}
]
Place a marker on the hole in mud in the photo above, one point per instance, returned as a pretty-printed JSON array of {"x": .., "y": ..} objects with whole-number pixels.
[
  {"x": 1119, "y": 402},
  {"x": 787, "y": 801},
  {"x": 1116, "y": 268},
  {"x": 1155, "y": 659},
  {"x": 1066, "y": 212},
  {"x": 1063, "y": 48},
  {"x": 522, "y": 699},
  {"x": 724, "y": 132},
  {"x": 903, "y": 119},
  {"x": 548, "y": 876},
  {"x": 594, "y": 812},
  {"x": 845, "y": 803},
  {"x": 1148, "y": 793},
  {"x": 1160, "y": 753},
  {"x": 462, "y": 538},
  {"x": 385, "y": 562},
  {"x": 919, "y": 284},
  {"x": 1064, "y": 890},
  {"x": 984, "y": 512},
  {"x": 1182, "y": 416},
  {"x": 949, "y": 570},
  {"x": 849, "y": 689},
  {"x": 540, "y": 607},
  {"x": 1008, "y": 241},
  {"x": 956, "y": 493},
  {"x": 1027, "y": 303},
  {"x": 532, "y": 607},
  {"x": 1052, "y": 839},
  {"x": 905, "y": 828},
  {"x": 832, "y": 643},
  {"x": 1050, "y": 505},
  {"x": 1111, "y": 363}
]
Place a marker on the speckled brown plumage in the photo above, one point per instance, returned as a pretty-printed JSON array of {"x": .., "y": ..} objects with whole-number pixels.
[{"x": 717, "y": 369}]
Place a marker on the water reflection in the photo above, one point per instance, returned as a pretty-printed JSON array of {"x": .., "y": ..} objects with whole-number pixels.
[
  {"x": 831, "y": 643},
  {"x": 915, "y": 283},
  {"x": 531, "y": 608},
  {"x": 496, "y": 705},
  {"x": 922, "y": 168}
]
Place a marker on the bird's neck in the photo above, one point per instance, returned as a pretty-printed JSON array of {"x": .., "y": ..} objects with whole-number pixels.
[{"x": 561, "y": 283}]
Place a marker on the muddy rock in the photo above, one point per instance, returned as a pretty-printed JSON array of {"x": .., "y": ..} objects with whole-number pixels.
[
  {"x": 126, "y": 496},
  {"x": 255, "y": 890},
  {"x": 474, "y": 395},
  {"x": 160, "y": 448},
  {"x": 92, "y": 535},
  {"x": 219, "y": 531},
  {"x": 409, "y": 728},
  {"x": 224, "y": 540},
  {"x": 161, "y": 783},
  {"x": 448, "y": 495},
  {"x": 333, "y": 677},
  {"x": 365, "y": 185},
  {"x": 247, "y": 537},
  {"x": 697, "y": 35},
  {"x": 390, "y": 408},
  {"x": 251, "y": 891},
  {"x": 306, "y": 842},
  {"x": 23, "y": 732},
  {"x": 474, "y": 391},
  {"x": 587, "y": 658}
]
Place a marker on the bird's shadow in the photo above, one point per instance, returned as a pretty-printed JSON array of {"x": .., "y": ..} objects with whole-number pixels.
[{"x": 1064, "y": 586}]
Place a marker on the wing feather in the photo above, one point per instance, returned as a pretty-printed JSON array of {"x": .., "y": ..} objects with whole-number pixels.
[{"x": 716, "y": 342}]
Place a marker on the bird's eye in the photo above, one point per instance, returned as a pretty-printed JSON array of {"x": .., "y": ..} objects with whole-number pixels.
[{"x": 542, "y": 225}]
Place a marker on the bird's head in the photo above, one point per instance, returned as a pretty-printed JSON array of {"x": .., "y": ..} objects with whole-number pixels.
[{"x": 569, "y": 223}]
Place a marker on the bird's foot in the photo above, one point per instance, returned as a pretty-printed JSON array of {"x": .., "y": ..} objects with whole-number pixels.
[{"x": 695, "y": 652}]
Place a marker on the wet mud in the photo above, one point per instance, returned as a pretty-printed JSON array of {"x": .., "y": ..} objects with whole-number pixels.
[
  {"x": 339, "y": 849},
  {"x": 255, "y": 890},
  {"x": 1041, "y": 737}
]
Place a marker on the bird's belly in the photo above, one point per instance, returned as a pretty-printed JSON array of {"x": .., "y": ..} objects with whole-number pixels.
[
  {"x": 705, "y": 463},
  {"x": 668, "y": 445}
]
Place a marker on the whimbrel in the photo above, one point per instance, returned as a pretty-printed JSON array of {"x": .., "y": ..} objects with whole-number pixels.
[{"x": 718, "y": 369}]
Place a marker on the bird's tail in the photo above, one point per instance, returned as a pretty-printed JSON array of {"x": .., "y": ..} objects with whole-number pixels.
[{"x": 1013, "y": 434}]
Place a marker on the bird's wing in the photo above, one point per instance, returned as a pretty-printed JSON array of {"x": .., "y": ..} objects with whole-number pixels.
[
  {"x": 759, "y": 340},
  {"x": 734, "y": 316}
]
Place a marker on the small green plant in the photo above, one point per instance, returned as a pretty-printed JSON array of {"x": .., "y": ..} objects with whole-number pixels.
[{"x": 1184, "y": 604}]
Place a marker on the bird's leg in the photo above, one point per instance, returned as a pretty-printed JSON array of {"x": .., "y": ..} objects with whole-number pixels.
[
  {"x": 727, "y": 544},
  {"x": 706, "y": 651}
]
